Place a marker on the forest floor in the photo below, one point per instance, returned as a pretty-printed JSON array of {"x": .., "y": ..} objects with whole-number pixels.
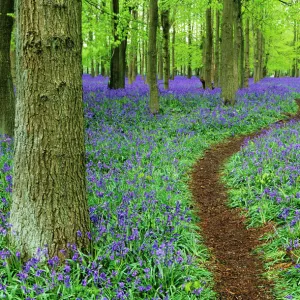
[{"x": 237, "y": 271}]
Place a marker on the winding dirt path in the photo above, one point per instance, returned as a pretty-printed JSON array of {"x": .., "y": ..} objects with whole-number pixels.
[{"x": 237, "y": 272}]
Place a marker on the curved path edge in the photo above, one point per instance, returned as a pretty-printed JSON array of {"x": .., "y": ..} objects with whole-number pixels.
[{"x": 237, "y": 272}]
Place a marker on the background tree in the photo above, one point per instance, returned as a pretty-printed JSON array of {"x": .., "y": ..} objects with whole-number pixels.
[
  {"x": 7, "y": 98},
  {"x": 208, "y": 48},
  {"x": 49, "y": 205},
  {"x": 165, "y": 22}
]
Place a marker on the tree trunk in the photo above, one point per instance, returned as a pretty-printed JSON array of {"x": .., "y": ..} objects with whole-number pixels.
[
  {"x": 208, "y": 49},
  {"x": 102, "y": 64},
  {"x": 13, "y": 65},
  {"x": 122, "y": 61},
  {"x": 189, "y": 68},
  {"x": 173, "y": 49},
  {"x": 92, "y": 68},
  {"x": 91, "y": 38},
  {"x": 165, "y": 22},
  {"x": 239, "y": 43},
  {"x": 258, "y": 56},
  {"x": 160, "y": 60},
  {"x": 217, "y": 49},
  {"x": 49, "y": 204},
  {"x": 152, "y": 57},
  {"x": 133, "y": 48},
  {"x": 114, "y": 80},
  {"x": 97, "y": 71},
  {"x": 247, "y": 54},
  {"x": 228, "y": 83},
  {"x": 7, "y": 97}
]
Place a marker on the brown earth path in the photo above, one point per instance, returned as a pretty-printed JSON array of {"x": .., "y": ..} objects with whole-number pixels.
[{"x": 237, "y": 272}]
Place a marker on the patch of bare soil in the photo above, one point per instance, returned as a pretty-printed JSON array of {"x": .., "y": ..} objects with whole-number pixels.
[{"x": 237, "y": 272}]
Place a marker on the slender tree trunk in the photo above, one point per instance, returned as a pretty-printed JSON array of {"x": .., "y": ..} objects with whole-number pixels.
[
  {"x": 152, "y": 56},
  {"x": 160, "y": 57},
  {"x": 247, "y": 54},
  {"x": 203, "y": 47},
  {"x": 92, "y": 68},
  {"x": 133, "y": 48},
  {"x": 49, "y": 204},
  {"x": 7, "y": 97},
  {"x": 91, "y": 38},
  {"x": 165, "y": 21},
  {"x": 122, "y": 60},
  {"x": 217, "y": 49},
  {"x": 239, "y": 43},
  {"x": 173, "y": 49},
  {"x": 189, "y": 67},
  {"x": 236, "y": 46},
  {"x": 228, "y": 84},
  {"x": 146, "y": 50},
  {"x": 258, "y": 56},
  {"x": 142, "y": 60},
  {"x": 114, "y": 80},
  {"x": 97, "y": 71},
  {"x": 208, "y": 49},
  {"x": 102, "y": 64}
]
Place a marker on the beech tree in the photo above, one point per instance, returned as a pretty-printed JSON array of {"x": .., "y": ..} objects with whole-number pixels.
[
  {"x": 165, "y": 22},
  {"x": 208, "y": 49},
  {"x": 152, "y": 56},
  {"x": 228, "y": 79},
  {"x": 49, "y": 204},
  {"x": 7, "y": 98}
]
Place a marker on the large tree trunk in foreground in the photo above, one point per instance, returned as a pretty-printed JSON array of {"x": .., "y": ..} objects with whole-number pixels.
[
  {"x": 7, "y": 97},
  {"x": 152, "y": 57},
  {"x": 228, "y": 80},
  {"x": 208, "y": 49},
  {"x": 49, "y": 204}
]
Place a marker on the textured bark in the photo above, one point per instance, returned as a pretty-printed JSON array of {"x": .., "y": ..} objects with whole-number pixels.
[
  {"x": 247, "y": 54},
  {"x": 165, "y": 22},
  {"x": 228, "y": 83},
  {"x": 7, "y": 97},
  {"x": 208, "y": 49},
  {"x": 189, "y": 67},
  {"x": 152, "y": 56},
  {"x": 217, "y": 50},
  {"x": 49, "y": 204}
]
